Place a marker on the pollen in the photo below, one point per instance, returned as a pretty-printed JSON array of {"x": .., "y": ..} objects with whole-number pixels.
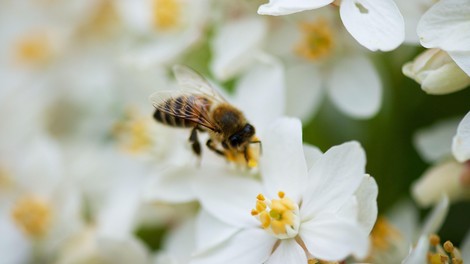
[
  {"x": 445, "y": 254},
  {"x": 32, "y": 215},
  {"x": 384, "y": 235},
  {"x": 33, "y": 49},
  {"x": 277, "y": 216},
  {"x": 316, "y": 42},
  {"x": 133, "y": 133},
  {"x": 166, "y": 14}
]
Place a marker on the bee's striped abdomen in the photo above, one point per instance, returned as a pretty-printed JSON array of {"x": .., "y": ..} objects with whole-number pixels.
[{"x": 181, "y": 111}]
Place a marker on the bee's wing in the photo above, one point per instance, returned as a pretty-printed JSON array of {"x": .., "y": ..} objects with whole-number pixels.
[
  {"x": 185, "y": 105},
  {"x": 190, "y": 80}
]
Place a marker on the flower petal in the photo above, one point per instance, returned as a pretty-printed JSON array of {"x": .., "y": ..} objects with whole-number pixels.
[
  {"x": 446, "y": 25},
  {"x": 330, "y": 238},
  {"x": 305, "y": 92},
  {"x": 180, "y": 241},
  {"x": 211, "y": 232},
  {"x": 312, "y": 154},
  {"x": 228, "y": 198},
  {"x": 367, "y": 202},
  {"x": 462, "y": 59},
  {"x": 333, "y": 179},
  {"x": 264, "y": 78},
  {"x": 412, "y": 12},
  {"x": 173, "y": 186},
  {"x": 355, "y": 87},
  {"x": 231, "y": 56},
  {"x": 288, "y": 251},
  {"x": 461, "y": 141},
  {"x": 376, "y": 25},
  {"x": 433, "y": 143},
  {"x": 465, "y": 247},
  {"x": 283, "y": 163},
  {"x": 251, "y": 246},
  {"x": 419, "y": 254},
  {"x": 282, "y": 7}
]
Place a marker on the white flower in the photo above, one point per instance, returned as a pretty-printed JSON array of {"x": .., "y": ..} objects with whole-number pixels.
[
  {"x": 322, "y": 60},
  {"x": 450, "y": 173},
  {"x": 38, "y": 209},
  {"x": 437, "y": 73},
  {"x": 446, "y": 26},
  {"x": 412, "y": 12},
  {"x": 170, "y": 27},
  {"x": 376, "y": 25},
  {"x": 322, "y": 209},
  {"x": 178, "y": 245}
]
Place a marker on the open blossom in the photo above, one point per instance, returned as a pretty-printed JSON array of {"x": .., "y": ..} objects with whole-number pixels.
[
  {"x": 320, "y": 208},
  {"x": 376, "y": 25},
  {"x": 447, "y": 146},
  {"x": 323, "y": 61}
]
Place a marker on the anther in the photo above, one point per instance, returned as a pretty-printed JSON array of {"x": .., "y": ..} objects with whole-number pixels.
[
  {"x": 260, "y": 197},
  {"x": 254, "y": 212},
  {"x": 281, "y": 194},
  {"x": 448, "y": 247},
  {"x": 434, "y": 240}
]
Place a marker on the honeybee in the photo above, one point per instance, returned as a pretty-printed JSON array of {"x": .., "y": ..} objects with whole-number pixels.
[{"x": 197, "y": 105}]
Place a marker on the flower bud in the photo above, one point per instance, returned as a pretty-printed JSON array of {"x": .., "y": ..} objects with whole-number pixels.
[{"x": 437, "y": 73}]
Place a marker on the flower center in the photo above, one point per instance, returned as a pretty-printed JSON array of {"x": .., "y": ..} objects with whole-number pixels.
[
  {"x": 133, "y": 133},
  {"x": 103, "y": 21},
  {"x": 32, "y": 215},
  {"x": 280, "y": 216},
  {"x": 445, "y": 254},
  {"x": 384, "y": 234},
  {"x": 166, "y": 14},
  {"x": 33, "y": 49},
  {"x": 317, "y": 40}
]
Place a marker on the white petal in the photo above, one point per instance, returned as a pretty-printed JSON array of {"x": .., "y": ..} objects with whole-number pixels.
[
  {"x": 288, "y": 251},
  {"x": 174, "y": 186},
  {"x": 436, "y": 218},
  {"x": 283, "y": 164},
  {"x": 461, "y": 141},
  {"x": 355, "y": 87},
  {"x": 230, "y": 199},
  {"x": 262, "y": 80},
  {"x": 376, "y": 25},
  {"x": 443, "y": 178},
  {"x": 462, "y": 59},
  {"x": 446, "y": 25},
  {"x": 15, "y": 247},
  {"x": 312, "y": 154},
  {"x": 211, "y": 231},
  {"x": 367, "y": 202},
  {"x": 433, "y": 143},
  {"x": 419, "y": 254},
  {"x": 333, "y": 179},
  {"x": 230, "y": 55},
  {"x": 180, "y": 241},
  {"x": 305, "y": 92},
  {"x": 123, "y": 251},
  {"x": 283, "y": 7},
  {"x": 404, "y": 216},
  {"x": 250, "y": 246},
  {"x": 330, "y": 238}
]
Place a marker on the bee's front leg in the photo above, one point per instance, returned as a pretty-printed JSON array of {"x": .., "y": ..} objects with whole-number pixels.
[
  {"x": 195, "y": 142},
  {"x": 210, "y": 145}
]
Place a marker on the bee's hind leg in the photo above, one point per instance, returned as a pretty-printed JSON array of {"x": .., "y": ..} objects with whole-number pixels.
[
  {"x": 195, "y": 142},
  {"x": 210, "y": 145}
]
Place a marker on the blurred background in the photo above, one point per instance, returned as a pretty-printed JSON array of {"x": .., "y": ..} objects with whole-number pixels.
[{"x": 75, "y": 72}]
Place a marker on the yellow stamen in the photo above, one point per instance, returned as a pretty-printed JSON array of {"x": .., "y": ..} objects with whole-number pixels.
[
  {"x": 103, "y": 22},
  {"x": 32, "y": 215},
  {"x": 166, "y": 14},
  {"x": 434, "y": 239},
  {"x": 317, "y": 40},
  {"x": 133, "y": 133},
  {"x": 33, "y": 49},
  {"x": 384, "y": 234},
  {"x": 277, "y": 215},
  {"x": 449, "y": 247}
]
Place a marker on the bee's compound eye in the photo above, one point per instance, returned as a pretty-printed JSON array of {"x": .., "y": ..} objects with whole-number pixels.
[
  {"x": 249, "y": 130},
  {"x": 235, "y": 140}
]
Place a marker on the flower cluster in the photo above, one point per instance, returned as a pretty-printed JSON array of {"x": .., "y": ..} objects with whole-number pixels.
[{"x": 257, "y": 150}]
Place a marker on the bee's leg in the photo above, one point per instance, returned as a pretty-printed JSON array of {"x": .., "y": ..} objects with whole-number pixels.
[
  {"x": 246, "y": 154},
  {"x": 211, "y": 146},
  {"x": 195, "y": 142}
]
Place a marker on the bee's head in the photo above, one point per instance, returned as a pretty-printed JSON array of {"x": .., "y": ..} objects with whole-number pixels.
[{"x": 241, "y": 137}]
